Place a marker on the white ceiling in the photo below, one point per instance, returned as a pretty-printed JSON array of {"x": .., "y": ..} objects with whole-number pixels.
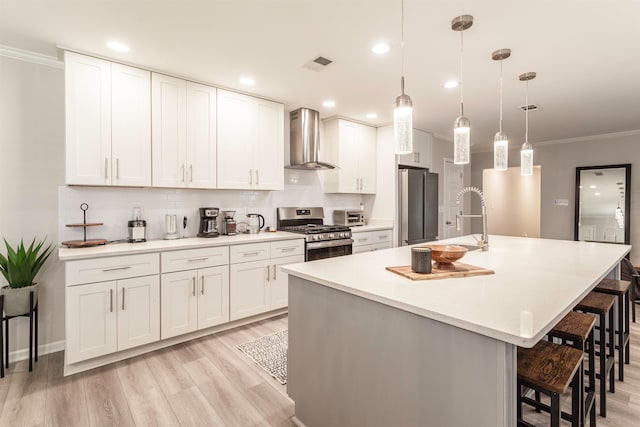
[{"x": 584, "y": 51}]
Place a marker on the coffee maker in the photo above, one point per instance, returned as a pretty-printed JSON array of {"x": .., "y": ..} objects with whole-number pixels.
[
  {"x": 209, "y": 222},
  {"x": 228, "y": 223}
]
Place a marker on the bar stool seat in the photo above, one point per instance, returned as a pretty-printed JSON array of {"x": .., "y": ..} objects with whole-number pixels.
[
  {"x": 576, "y": 329},
  {"x": 550, "y": 369},
  {"x": 621, "y": 290},
  {"x": 601, "y": 305}
]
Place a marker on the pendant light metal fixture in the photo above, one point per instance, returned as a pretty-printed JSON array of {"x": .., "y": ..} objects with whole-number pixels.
[
  {"x": 403, "y": 113},
  {"x": 500, "y": 141},
  {"x": 526, "y": 152},
  {"x": 462, "y": 125}
]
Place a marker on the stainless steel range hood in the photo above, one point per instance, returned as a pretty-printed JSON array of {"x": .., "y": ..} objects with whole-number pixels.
[{"x": 305, "y": 140}]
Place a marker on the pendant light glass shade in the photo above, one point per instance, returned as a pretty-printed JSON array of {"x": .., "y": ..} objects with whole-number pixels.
[
  {"x": 501, "y": 141},
  {"x": 403, "y": 123},
  {"x": 526, "y": 152},
  {"x": 461, "y": 141},
  {"x": 500, "y": 152},
  {"x": 403, "y": 112},
  {"x": 462, "y": 125}
]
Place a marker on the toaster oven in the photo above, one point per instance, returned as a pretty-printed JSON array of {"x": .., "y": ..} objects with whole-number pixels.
[{"x": 349, "y": 218}]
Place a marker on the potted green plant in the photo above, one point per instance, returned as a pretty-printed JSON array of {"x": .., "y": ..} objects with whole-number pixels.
[{"x": 20, "y": 267}]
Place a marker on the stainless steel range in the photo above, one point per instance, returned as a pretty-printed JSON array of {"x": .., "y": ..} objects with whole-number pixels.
[{"x": 321, "y": 241}]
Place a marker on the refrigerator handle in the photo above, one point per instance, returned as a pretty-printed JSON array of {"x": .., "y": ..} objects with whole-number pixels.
[{"x": 404, "y": 207}]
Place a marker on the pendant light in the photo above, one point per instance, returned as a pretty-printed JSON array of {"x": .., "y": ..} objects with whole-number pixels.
[
  {"x": 403, "y": 113},
  {"x": 461, "y": 127},
  {"x": 500, "y": 141},
  {"x": 526, "y": 152}
]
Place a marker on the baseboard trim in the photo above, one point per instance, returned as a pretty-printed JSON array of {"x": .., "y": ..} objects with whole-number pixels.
[
  {"x": 297, "y": 422},
  {"x": 43, "y": 349}
]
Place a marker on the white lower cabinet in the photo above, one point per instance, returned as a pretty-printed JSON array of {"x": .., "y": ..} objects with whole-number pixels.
[
  {"x": 110, "y": 316},
  {"x": 260, "y": 286},
  {"x": 368, "y": 241},
  {"x": 194, "y": 299}
]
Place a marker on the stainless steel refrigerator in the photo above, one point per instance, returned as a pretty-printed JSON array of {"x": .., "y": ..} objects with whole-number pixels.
[{"x": 418, "y": 205}]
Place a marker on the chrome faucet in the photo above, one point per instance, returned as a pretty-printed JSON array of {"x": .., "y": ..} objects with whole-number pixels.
[{"x": 483, "y": 243}]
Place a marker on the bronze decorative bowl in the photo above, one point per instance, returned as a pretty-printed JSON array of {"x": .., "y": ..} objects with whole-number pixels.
[{"x": 446, "y": 255}]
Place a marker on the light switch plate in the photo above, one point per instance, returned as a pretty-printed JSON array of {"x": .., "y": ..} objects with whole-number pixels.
[{"x": 560, "y": 202}]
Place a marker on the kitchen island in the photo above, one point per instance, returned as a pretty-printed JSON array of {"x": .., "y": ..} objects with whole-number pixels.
[{"x": 369, "y": 347}]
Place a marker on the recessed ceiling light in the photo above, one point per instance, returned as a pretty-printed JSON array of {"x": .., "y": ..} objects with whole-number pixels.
[
  {"x": 372, "y": 116},
  {"x": 380, "y": 48},
  {"x": 592, "y": 186},
  {"x": 597, "y": 194},
  {"x": 450, "y": 84},
  {"x": 247, "y": 81},
  {"x": 329, "y": 103},
  {"x": 117, "y": 46}
]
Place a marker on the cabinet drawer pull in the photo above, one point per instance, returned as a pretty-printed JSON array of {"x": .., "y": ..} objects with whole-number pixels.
[
  {"x": 106, "y": 168},
  {"x": 274, "y": 271},
  {"x": 123, "y": 289},
  {"x": 250, "y": 253},
  {"x": 250, "y": 176},
  {"x": 193, "y": 286},
  {"x": 117, "y": 169},
  {"x": 257, "y": 178},
  {"x": 197, "y": 259},
  {"x": 268, "y": 273},
  {"x": 363, "y": 240},
  {"x": 116, "y": 268},
  {"x": 111, "y": 300},
  {"x": 288, "y": 249},
  {"x": 383, "y": 237},
  {"x": 202, "y": 284}
]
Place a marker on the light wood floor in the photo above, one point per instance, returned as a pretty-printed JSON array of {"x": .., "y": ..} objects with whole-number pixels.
[{"x": 205, "y": 382}]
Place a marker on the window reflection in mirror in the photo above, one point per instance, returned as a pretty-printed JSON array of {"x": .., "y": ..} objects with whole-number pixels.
[{"x": 602, "y": 203}]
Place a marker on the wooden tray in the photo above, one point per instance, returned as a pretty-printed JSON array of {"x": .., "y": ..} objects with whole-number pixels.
[
  {"x": 84, "y": 243},
  {"x": 461, "y": 270}
]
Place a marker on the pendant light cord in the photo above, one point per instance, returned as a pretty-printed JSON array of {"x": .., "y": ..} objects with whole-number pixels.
[
  {"x": 501, "y": 96},
  {"x": 461, "y": 81},
  {"x": 402, "y": 44},
  {"x": 526, "y": 115}
]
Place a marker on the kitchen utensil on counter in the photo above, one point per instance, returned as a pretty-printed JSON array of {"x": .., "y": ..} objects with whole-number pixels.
[
  {"x": 228, "y": 223},
  {"x": 256, "y": 223},
  {"x": 184, "y": 227},
  {"x": 84, "y": 243},
  {"x": 137, "y": 227},
  {"x": 421, "y": 260},
  {"x": 209, "y": 222},
  {"x": 446, "y": 255},
  {"x": 459, "y": 270},
  {"x": 171, "y": 227}
]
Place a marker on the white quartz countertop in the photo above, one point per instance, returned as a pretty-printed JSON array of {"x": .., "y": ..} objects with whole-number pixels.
[
  {"x": 536, "y": 282},
  {"x": 114, "y": 249}
]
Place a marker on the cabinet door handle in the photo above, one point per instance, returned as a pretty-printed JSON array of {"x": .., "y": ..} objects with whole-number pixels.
[
  {"x": 116, "y": 268},
  {"x": 250, "y": 253},
  {"x": 250, "y": 176},
  {"x": 111, "y": 300},
  {"x": 106, "y": 168},
  {"x": 268, "y": 272},
  {"x": 288, "y": 249},
  {"x": 197, "y": 259},
  {"x": 193, "y": 286},
  {"x": 274, "y": 271},
  {"x": 418, "y": 154},
  {"x": 182, "y": 173},
  {"x": 117, "y": 169},
  {"x": 202, "y": 284},
  {"x": 190, "y": 173},
  {"x": 384, "y": 236},
  {"x": 123, "y": 289},
  {"x": 257, "y": 178}
]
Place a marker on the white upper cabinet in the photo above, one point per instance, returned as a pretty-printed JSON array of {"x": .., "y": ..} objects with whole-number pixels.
[
  {"x": 352, "y": 147},
  {"x": 250, "y": 142},
  {"x": 421, "y": 156},
  {"x": 184, "y": 133},
  {"x": 108, "y": 118}
]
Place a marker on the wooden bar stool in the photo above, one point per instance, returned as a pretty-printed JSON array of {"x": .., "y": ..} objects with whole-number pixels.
[
  {"x": 621, "y": 290},
  {"x": 602, "y": 306},
  {"x": 550, "y": 368},
  {"x": 576, "y": 330}
]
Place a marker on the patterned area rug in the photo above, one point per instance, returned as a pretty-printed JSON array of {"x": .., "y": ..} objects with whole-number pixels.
[{"x": 270, "y": 353}]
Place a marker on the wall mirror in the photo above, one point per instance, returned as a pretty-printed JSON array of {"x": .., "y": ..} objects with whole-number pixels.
[{"x": 602, "y": 203}]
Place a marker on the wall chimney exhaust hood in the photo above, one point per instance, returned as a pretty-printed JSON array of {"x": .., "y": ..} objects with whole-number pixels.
[{"x": 305, "y": 140}]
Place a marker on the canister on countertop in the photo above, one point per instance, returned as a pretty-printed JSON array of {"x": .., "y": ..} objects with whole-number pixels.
[{"x": 421, "y": 260}]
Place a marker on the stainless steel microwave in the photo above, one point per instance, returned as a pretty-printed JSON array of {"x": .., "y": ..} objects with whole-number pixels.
[{"x": 348, "y": 217}]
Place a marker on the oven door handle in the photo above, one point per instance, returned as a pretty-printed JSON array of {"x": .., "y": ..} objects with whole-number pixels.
[{"x": 329, "y": 244}]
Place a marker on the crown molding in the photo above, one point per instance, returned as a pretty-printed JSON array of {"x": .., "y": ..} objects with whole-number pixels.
[{"x": 28, "y": 56}]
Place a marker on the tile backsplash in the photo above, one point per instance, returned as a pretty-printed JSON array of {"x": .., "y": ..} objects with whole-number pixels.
[{"x": 113, "y": 206}]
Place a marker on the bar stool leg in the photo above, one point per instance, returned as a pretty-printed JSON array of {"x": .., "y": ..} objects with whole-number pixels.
[
  {"x": 555, "y": 410},
  {"x": 627, "y": 327},
  {"x": 30, "y": 331},
  {"x": 620, "y": 300},
  {"x": 592, "y": 375},
  {"x": 1, "y": 337},
  {"x": 612, "y": 352},
  {"x": 519, "y": 402},
  {"x": 603, "y": 367},
  {"x": 576, "y": 398}
]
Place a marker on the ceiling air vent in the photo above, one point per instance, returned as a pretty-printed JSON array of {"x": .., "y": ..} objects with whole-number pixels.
[
  {"x": 530, "y": 107},
  {"x": 599, "y": 173},
  {"x": 317, "y": 64}
]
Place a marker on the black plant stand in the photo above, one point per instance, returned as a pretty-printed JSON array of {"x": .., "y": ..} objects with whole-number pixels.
[{"x": 4, "y": 338}]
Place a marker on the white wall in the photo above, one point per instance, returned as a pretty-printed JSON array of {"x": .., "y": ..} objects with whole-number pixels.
[
  {"x": 31, "y": 169},
  {"x": 559, "y": 162}
]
